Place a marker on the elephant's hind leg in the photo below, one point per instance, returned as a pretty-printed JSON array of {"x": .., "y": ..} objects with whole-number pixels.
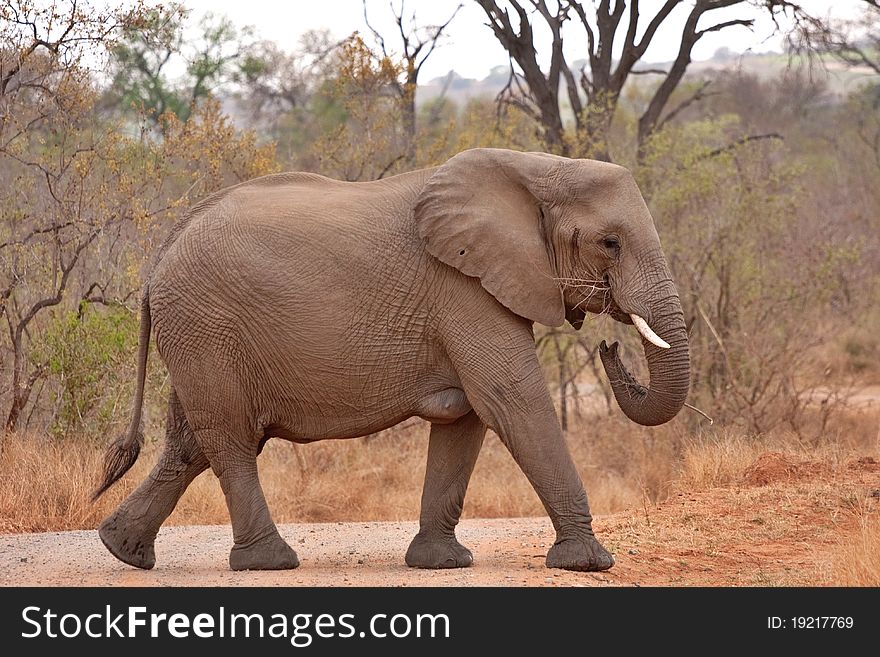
[
  {"x": 452, "y": 453},
  {"x": 257, "y": 543},
  {"x": 130, "y": 532}
]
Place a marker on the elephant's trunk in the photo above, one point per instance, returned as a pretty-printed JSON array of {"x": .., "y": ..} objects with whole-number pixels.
[{"x": 669, "y": 369}]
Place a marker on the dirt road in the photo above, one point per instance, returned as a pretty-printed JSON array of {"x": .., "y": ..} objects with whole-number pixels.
[{"x": 782, "y": 525}]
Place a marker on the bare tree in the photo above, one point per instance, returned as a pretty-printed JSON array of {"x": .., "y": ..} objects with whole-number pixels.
[
  {"x": 417, "y": 44},
  {"x": 569, "y": 355},
  {"x": 593, "y": 93},
  {"x": 856, "y": 43},
  {"x": 47, "y": 226},
  {"x": 275, "y": 81}
]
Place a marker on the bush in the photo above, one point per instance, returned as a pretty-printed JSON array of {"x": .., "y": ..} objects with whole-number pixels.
[
  {"x": 89, "y": 359},
  {"x": 732, "y": 225}
]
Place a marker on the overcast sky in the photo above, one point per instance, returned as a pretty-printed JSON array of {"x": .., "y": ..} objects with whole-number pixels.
[{"x": 471, "y": 49}]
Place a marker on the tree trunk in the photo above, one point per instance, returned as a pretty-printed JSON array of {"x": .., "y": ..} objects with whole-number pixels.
[
  {"x": 409, "y": 117},
  {"x": 596, "y": 126},
  {"x": 20, "y": 391}
]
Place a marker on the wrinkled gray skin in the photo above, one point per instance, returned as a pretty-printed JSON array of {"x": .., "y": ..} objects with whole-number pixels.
[{"x": 304, "y": 308}]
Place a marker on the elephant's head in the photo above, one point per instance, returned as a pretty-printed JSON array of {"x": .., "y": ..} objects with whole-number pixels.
[{"x": 553, "y": 238}]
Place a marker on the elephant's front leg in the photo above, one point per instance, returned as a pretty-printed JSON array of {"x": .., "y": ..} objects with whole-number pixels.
[
  {"x": 452, "y": 453},
  {"x": 538, "y": 446},
  {"x": 509, "y": 392}
]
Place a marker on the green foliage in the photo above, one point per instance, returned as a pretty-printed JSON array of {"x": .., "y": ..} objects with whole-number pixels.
[
  {"x": 90, "y": 354},
  {"x": 141, "y": 58}
]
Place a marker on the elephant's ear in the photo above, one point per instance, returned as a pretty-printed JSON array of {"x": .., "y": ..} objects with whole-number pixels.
[{"x": 481, "y": 213}]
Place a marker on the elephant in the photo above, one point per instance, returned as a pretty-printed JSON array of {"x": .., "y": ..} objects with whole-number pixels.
[{"x": 299, "y": 307}]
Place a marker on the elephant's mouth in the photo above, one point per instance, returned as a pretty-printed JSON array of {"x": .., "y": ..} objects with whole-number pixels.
[{"x": 575, "y": 316}]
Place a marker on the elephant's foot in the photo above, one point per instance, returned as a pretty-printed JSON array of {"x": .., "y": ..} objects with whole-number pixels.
[
  {"x": 582, "y": 553},
  {"x": 127, "y": 544},
  {"x": 427, "y": 551},
  {"x": 267, "y": 553}
]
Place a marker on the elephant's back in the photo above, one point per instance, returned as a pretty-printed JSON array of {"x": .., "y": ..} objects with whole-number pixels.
[
  {"x": 279, "y": 211},
  {"x": 274, "y": 216},
  {"x": 293, "y": 255}
]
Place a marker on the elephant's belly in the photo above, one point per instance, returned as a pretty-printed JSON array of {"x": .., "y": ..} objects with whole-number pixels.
[
  {"x": 440, "y": 405},
  {"x": 444, "y": 407}
]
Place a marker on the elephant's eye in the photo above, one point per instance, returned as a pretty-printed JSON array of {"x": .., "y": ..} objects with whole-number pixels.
[{"x": 612, "y": 243}]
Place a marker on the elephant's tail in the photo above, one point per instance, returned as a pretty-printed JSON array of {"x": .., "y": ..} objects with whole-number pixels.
[{"x": 123, "y": 452}]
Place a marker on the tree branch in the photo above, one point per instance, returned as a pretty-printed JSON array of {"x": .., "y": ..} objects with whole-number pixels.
[
  {"x": 655, "y": 23},
  {"x": 388, "y": 166},
  {"x": 35, "y": 232},
  {"x": 521, "y": 49},
  {"x": 558, "y": 64},
  {"x": 55, "y": 299},
  {"x": 739, "y": 142},
  {"x": 632, "y": 53},
  {"x": 376, "y": 34},
  {"x": 745, "y": 22},
  {"x": 649, "y": 71},
  {"x": 697, "y": 96},
  {"x": 438, "y": 32},
  {"x": 689, "y": 37}
]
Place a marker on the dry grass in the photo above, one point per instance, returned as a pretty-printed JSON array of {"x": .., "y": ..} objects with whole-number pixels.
[
  {"x": 45, "y": 484},
  {"x": 859, "y": 557},
  {"x": 720, "y": 460}
]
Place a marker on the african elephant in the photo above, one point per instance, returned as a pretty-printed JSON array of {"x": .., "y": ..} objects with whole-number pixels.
[{"x": 305, "y": 308}]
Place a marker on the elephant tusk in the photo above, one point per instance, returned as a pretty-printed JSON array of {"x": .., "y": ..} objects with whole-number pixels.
[{"x": 647, "y": 333}]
